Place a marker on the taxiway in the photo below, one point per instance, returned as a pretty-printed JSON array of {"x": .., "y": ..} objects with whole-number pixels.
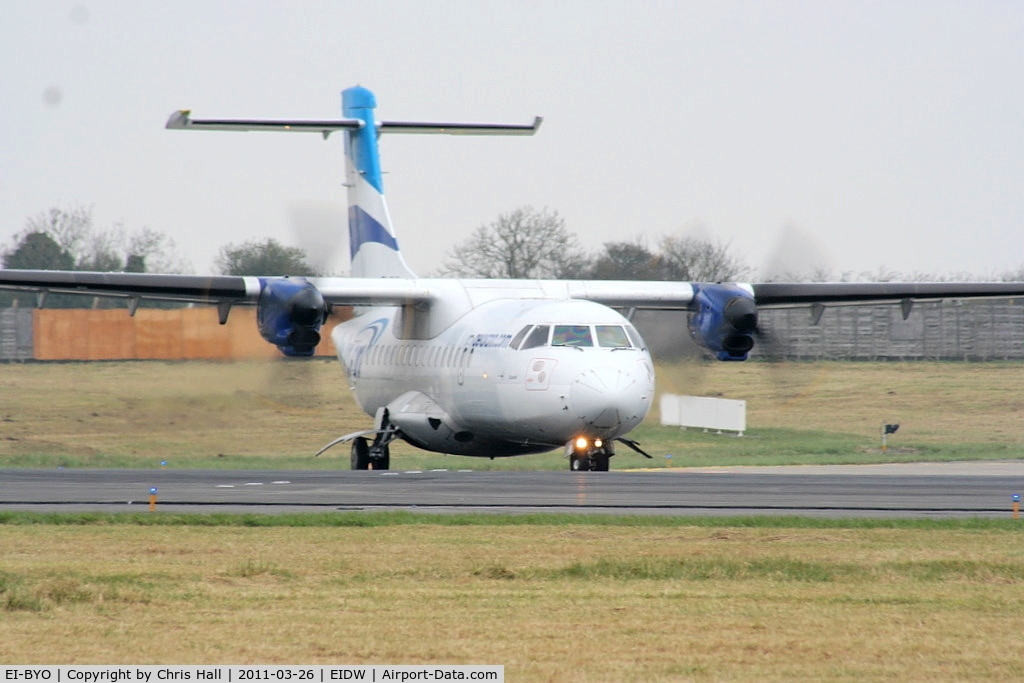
[{"x": 971, "y": 489}]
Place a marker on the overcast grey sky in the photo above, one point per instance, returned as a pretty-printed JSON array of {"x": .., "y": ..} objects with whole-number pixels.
[{"x": 887, "y": 134}]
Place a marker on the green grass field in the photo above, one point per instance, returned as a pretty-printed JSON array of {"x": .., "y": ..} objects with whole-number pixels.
[{"x": 276, "y": 414}]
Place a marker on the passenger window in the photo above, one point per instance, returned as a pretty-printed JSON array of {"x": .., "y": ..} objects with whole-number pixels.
[
  {"x": 539, "y": 337},
  {"x": 572, "y": 335},
  {"x": 611, "y": 336}
]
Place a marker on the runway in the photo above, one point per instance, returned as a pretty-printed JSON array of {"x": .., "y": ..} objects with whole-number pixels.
[{"x": 969, "y": 489}]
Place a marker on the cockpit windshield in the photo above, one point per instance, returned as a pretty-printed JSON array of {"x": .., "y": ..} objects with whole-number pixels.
[
  {"x": 579, "y": 336},
  {"x": 572, "y": 335},
  {"x": 613, "y": 336}
]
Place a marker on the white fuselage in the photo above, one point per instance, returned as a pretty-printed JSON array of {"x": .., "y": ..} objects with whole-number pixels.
[{"x": 492, "y": 376}]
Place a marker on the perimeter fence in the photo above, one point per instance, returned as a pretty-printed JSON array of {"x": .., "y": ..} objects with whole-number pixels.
[
  {"x": 980, "y": 330},
  {"x": 987, "y": 330}
]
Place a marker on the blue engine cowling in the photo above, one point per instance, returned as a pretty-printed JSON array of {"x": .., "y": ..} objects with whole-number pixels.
[
  {"x": 289, "y": 313},
  {"x": 723, "y": 319}
]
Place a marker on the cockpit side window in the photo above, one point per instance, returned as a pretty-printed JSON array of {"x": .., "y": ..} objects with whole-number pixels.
[
  {"x": 612, "y": 336},
  {"x": 572, "y": 335},
  {"x": 634, "y": 337},
  {"x": 538, "y": 337},
  {"x": 518, "y": 339}
]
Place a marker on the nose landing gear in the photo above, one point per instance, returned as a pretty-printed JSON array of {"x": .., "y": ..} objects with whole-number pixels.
[{"x": 588, "y": 455}]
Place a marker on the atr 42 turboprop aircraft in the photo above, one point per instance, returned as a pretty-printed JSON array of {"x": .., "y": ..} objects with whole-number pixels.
[{"x": 485, "y": 368}]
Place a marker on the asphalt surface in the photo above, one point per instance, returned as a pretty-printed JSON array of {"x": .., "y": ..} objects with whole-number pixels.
[{"x": 970, "y": 489}]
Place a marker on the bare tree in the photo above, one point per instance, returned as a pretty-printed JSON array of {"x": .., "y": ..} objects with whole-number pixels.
[
  {"x": 695, "y": 260},
  {"x": 523, "y": 243},
  {"x": 66, "y": 239},
  {"x": 151, "y": 251}
]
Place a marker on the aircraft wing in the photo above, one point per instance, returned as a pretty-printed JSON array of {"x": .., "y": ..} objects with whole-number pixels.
[
  {"x": 344, "y": 291},
  {"x": 188, "y": 288},
  {"x": 215, "y": 289},
  {"x": 781, "y": 294}
]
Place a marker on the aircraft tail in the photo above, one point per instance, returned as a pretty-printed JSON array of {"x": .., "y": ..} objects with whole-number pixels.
[
  {"x": 372, "y": 243},
  {"x": 372, "y": 240}
]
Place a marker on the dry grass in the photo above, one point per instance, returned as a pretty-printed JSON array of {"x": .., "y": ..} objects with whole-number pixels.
[
  {"x": 277, "y": 413},
  {"x": 151, "y": 411},
  {"x": 549, "y": 602},
  {"x": 937, "y": 402}
]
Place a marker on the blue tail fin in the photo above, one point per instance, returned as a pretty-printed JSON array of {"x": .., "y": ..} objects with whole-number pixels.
[{"x": 372, "y": 239}]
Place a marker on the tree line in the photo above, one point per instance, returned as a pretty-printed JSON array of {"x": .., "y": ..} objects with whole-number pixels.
[
  {"x": 524, "y": 243},
  {"x": 536, "y": 244},
  {"x": 533, "y": 243},
  {"x": 69, "y": 239}
]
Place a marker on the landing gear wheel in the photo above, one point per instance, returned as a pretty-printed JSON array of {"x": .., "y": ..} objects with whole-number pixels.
[
  {"x": 360, "y": 454},
  {"x": 600, "y": 463},
  {"x": 579, "y": 463},
  {"x": 380, "y": 457}
]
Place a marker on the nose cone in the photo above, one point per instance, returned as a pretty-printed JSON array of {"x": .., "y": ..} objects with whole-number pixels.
[{"x": 609, "y": 399}]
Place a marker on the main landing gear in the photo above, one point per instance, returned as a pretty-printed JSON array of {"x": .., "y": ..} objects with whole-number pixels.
[
  {"x": 375, "y": 455},
  {"x": 586, "y": 455},
  {"x": 366, "y": 456}
]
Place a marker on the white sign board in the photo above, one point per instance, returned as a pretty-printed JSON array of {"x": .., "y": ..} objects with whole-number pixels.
[{"x": 709, "y": 413}]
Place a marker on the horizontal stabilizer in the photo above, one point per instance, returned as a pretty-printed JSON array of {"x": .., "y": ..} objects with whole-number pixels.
[
  {"x": 461, "y": 128},
  {"x": 182, "y": 120}
]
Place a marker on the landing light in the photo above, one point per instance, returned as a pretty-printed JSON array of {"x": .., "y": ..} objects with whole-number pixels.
[
  {"x": 598, "y": 443},
  {"x": 581, "y": 442}
]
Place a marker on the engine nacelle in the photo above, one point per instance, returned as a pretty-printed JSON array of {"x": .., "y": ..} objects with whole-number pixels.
[
  {"x": 723, "y": 319},
  {"x": 289, "y": 313}
]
